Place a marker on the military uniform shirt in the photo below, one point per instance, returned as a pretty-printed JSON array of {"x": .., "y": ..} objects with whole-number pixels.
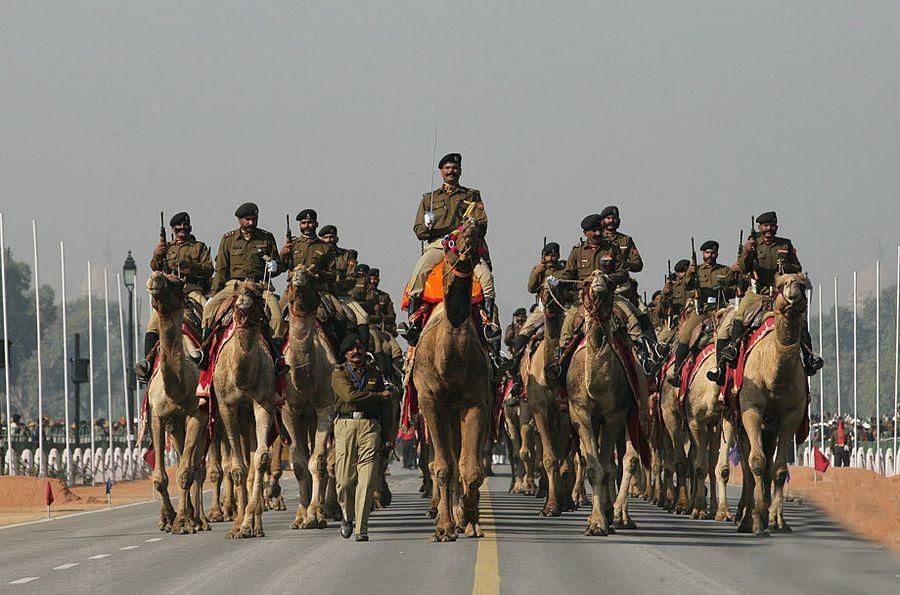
[
  {"x": 191, "y": 254},
  {"x": 448, "y": 204},
  {"x": 309, "y": 252},
  {"x": 344, "y": 270},
  {"x": 768, "y": 257},
  {"x": 350, "y": 397},
  {"x": 633, "y": 261},
  {"x": 241, "y": 258},
  {"x": 712, "y": 280},
  {"x": 381, "y": 312},
  {"x": 584, "y": 259}
]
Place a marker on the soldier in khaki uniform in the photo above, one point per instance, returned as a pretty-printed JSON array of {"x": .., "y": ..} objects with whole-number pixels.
[
  {"x": 345, "y": 279},
  {"x": 382, "y": 324},
  {"x": 716, "y": 284},
  {"x": 520, "y": 315},
  {"x": 763, "y": 256},
  {"x": 675, "y": 292},
  {"x": 361, "y": 400},
  {"x": 190, "y": 260},
  {"x": 440, "y": 212}
]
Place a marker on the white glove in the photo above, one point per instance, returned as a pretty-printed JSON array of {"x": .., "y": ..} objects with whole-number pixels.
[
  {"x": 272, "y": 266},
  {"x": 552, "y": 281},
  {"x": 429, "y": 219}
]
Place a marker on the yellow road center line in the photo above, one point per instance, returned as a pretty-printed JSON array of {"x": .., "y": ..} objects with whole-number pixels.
[{"x": 487, "y": 566}]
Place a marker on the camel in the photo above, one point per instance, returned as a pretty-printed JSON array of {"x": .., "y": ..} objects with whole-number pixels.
[
  {"x": 772, "y": 404},
  {"x": 244, "y": 381},
  {"x": 219, "y": 463},
  {"x": 673, "y": 495},
  {"x": 309, "y": 403},
  {"x": 631, "y": 464},
  {"x": 175, "y": 408},
  {"x": 452, "y": 374},
  {"x": 514, "y": 438},
  {"x": 599, "y": 399},
  {"x": 274, "y": 497}
]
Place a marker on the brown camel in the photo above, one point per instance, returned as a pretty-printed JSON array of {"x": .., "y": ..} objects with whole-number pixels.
[
  {"x": 772, "y": 406},
  {"x": 452, "y": 375},
  {"x": 244, "y": 381},
  {"x": 599, "y": 399},
  {"x": 309, "y": 404},
  {"x": 631, "y": 477},
  {"x": 219, "y": 464},
  {"x": 175, "y": 408},
  {"x": 274, "y": 497},
  {"x": 554, "y": 427},
  {"x": 674, "y": 489},
  {"x": 513, "y": 434}
]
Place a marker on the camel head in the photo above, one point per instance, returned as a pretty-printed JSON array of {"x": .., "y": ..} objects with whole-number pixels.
[
  {"x": 464, "y": 247},
  {"x": 249, "y": 306},
  {"x": 166, "y": 292},
  {"x": 597, "y": 295},
  {"x": 301, "y": 293},
  {"x": 790, "y": 294}
]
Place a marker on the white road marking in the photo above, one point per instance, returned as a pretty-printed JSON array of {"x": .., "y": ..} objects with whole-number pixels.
[
  {"x": 130, "y": 547},
  {"x": 153, "y": 539},
  {"x": 24, "y": 580},
  {"x": 66, "y": 566},
  {"x": 99, "y": 556}
]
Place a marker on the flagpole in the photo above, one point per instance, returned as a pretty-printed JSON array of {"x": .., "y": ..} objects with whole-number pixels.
[
  {"x": 853, "y": 460},
  {"x": 37, "y": 321},
  {"x": 109, "y": 409},
  {"x": 896, "y": 358},
  {"x": 809, "y": 409},
  {"x": 9, "y": 450},
  {"x": 837, "y": 348},
  {"x": 878, "y": 365},
  {"x": 65, "y": 350},
  {"x": 124, "y": 363},
  {"x": 821, "y": 380},
  {"x": 91, "y": 368},
  {"x": 137, "y": 385}
]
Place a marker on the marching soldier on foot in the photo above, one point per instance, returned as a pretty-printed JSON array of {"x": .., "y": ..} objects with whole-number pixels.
[
  {"x": 247, "y": 254},
  {"x": 764, "y": 255},
  {"x": 190, "y": 260},
  {"x": 716, "y": 284},
  {"x": 360, "y": 396}
]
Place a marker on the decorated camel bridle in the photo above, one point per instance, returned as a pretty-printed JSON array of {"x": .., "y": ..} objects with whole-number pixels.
[
  {"x": 310, "y": 305},
  {"x": 599, "y": 311},
  {"x": 255, "y": 315},
  {"x": 174, "y": 283},
  {"x": 464, "y": 256}
]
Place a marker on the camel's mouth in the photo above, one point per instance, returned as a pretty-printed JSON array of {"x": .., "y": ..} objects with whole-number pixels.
[
  {"x": 156, "y": 283},
  {"x": 243, "y": 303}
]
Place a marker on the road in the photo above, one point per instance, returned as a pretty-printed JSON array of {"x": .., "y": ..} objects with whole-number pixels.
[{"x": 121, "y": 550}]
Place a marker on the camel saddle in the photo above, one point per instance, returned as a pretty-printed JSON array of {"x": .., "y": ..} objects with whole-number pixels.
[{"x": 434, "y": 289}]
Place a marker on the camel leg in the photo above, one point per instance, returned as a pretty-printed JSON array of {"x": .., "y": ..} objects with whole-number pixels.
[
  {"x": 317, "y": 467},
  {"x": 550, "y": 463},
  {"x": 611, "y": 433},
  {"x": 528, "y": 486},
  {"x": 715, "y": 436},
  {"x": 515, "y": 440},
  {"x": 186, "y": 474},
  {"x": 201, "y": 522},
  {"x": 274, "y": 497},
  {"x": 229, "y": 497},
  {"x": 470, "y": 471},
  {"x": 723, "y": 471},
  {"x": 755, "y": 507},
  {"x": 597, "y": 524},
  {"x": 237, "y": 470},
  {"x": 252, "y": 525},
  {"x": 630, "y": 464},
  {"x": 299, "y": 462},
  {"x": 579, "y": 495},
  {"x": 215, "y": 475},
  {"x": 160, "y": 477},
  {"x": 779, "y": 475},
  {"x": 700, "y": 439},
  {"x": 436, "y": 420}
]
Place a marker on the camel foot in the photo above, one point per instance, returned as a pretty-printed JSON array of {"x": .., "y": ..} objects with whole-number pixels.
[
  {"x": 203, "y": 525},
  {"x": 235, "y": 533},
  {"x": 444, "y": 534},
  {"x": 311, "y": 522},
  {"x": 297, "y": 523},
  {"x": 551, "y": 510},
  {"x": 431, "y": 512},
  {"x": 745, "y": 526},
  {"x": 781, "y": 527},
  {"x": 624, "y": 522},
  {"x": 376, "y": 501},
  {"x": 215, "y": 515},
  {"x": 699, "y": 514},
  {"x": 723, "y": 514},
  {"x": 595, "y": 531},
  {"x": 474, "y": 530},
  {"x": 182, "y": 526}
]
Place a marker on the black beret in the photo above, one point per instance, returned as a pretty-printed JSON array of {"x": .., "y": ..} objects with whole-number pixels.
[
  {"x": 610, "y": 211},
  {"x": 519, "y": 312},
  {"x": 181, "y": 218},
  {"x": 327, "y": 230},
  {"x": 248, "y": 209},
  {"x": 374, "y": 273},
  {"x": 349, "y": 342},
  {"x": 450, "y": 158},
  {"x": 682, "y": 265},
  {"x": 767, "y": 217},
  {"x": 551, "y": 248},
  {"x": 362, "y": 268},
  {"x": 709, "y": 245},
  {"x": 306, "y": 214},
  {"x": 591, "y": 222},
  {"x": 655, "y": 295},
  {"x": 532, "y": 308}
]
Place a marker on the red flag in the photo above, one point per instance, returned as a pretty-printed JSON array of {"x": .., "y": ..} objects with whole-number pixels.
[
  {"x": 821, "y": 461},
  {"x": 150, "y": 458},
  {"x": 48, "y": 494}
]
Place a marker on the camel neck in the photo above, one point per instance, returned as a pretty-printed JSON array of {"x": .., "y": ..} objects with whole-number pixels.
[
  {"x": 302, "y": 336},
  {"x": 171, "y": 355},
  {"x": 457, "y": 297}
]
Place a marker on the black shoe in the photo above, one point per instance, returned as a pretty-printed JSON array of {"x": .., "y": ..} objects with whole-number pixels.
[
  {"x": 361, "y": 537},
  {"x": 346, "y": 529},
  {"x": 553, "y": 371},
  {"x": 662, "y": 350},
  {"x": 675, "y": 379},
  {"x": 812, "y": 363},
  {"x": 730, "y": 354},
  {"x": 142, "y": 371},
  {"x": 717, "y": 374},
  {"x": 281, "y": 366}
]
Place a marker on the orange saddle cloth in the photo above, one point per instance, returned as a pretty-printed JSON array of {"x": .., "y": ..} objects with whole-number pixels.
[{"x": 434, "y": 289}]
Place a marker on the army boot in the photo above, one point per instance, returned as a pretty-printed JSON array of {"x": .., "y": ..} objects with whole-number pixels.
[
  {"x": 726, "y": 353},
  {"x": 812, "y": 362},
  {"x": 413, "y": 327},
  {"x": 275, "y": 344},
  {"x": 144, "y": 368},
  {"x": 681, "y": 353},
  {"x": 644, "y": 350},
  {"x": 518, "y": 351}
]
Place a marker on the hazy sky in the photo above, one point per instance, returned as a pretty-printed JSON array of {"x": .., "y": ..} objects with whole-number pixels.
[{"x": 690, "y": 117}]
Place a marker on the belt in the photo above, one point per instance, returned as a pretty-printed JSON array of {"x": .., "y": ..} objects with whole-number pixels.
[{"x": 356, "y": 415}]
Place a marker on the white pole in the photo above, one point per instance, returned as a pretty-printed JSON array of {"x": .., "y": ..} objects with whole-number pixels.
[
  {"x": 12, "y": 466},
  {"x": 65, "y": 349},
  {"x": 853, "y": 460},
  {"x": 40, "y": 384},
  {"x": 91, "y": 368},
  {"x": 821, "y": 381},
  {"x": 878, "y": 363},
  {"x": 896, "y": 356},
  {"x": 837, "y": 348},
  {"x": 137, "y": 356},
  {"x": 124, "y": 362},
  {"x": 109, "y": 409},
  {"x": 809, "y": 416}
]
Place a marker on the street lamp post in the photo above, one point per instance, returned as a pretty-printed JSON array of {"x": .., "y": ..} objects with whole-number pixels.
[
  {"x": 80, "y": 375},
  {"x": 129, "y": 272}
]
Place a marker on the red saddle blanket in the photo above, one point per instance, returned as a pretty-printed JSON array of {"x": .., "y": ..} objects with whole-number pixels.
[
  {"x": 205, "y": 386},
  {"x": 689, "y": 371},
  {"x": 734, "y": 379}
]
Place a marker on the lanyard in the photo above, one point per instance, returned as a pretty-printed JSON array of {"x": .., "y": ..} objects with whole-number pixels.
[{"x": 360, "y": 381}]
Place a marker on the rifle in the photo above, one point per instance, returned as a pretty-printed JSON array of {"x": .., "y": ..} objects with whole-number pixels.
[
  {"x": 754, "y": 275},
  {"x": 696, "y": 279},
  {"x": 287, "y": 229},
  {"x": 162, "y": 227}
]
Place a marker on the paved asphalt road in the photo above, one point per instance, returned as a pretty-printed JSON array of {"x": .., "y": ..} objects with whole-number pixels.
[{"x": 122, "y": 551}]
